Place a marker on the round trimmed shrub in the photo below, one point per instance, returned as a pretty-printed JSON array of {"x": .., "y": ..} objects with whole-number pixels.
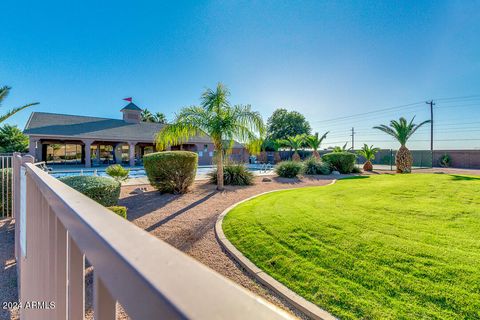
[
  {"x": 117, "y": 172},
  {"x": 288, "y": 169},
  {"x": 344, "y": 162},
  {"x": 119, "y": 210},
  {"x": 171, "y": 171},
  {"x": 235, "y": 174},
  {"x": 105, "y": 191},
  {"x": 313, "y": 166}
]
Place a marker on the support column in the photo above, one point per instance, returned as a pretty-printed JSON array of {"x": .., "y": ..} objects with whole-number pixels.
[
  {"x": 88, "y": 161},
  {"x": 33, "y": 145},
  {"x": 131, "y": 151}
]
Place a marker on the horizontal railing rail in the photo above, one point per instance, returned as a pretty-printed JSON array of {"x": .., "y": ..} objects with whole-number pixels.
[{"x": 58, "y": 228}]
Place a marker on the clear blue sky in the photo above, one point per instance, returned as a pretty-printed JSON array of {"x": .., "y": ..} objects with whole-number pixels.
[{"x": 324, "y": 59}]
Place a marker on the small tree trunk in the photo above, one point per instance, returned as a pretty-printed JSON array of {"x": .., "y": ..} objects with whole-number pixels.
[
  {"x": 316, "y": 154},
  {"x": 296, "y": 156},
  {"x": 220, "y": 169},
  {"x": 276, "y": 157}
]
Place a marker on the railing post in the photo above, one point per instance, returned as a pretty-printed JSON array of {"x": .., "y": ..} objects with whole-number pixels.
[
  {"x": 76, "y": 281},
  {"x": 104, "y": 305}
]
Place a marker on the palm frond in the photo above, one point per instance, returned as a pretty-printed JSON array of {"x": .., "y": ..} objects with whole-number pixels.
[{"x": 15, "y": 110}]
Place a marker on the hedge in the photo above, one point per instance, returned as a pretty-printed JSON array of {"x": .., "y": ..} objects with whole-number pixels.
[
  {"x": 288, "y": 169},
  {"x": 105, "y": 191},
  {"x": 120, "y": 210},
  {"x": 344, "y": 162},
  {"x": 171, "y": 171}
]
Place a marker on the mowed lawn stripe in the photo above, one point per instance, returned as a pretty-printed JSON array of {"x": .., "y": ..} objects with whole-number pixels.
[{"x": 386, "y": 246}]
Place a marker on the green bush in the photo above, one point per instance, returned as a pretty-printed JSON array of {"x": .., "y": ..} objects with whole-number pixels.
[
  {"x": 344, "y": 162},
  {"x": 235, "y": 174},
  {"x": 117, "y": 172},
  {"x": 315, "y": 166},
  {"x": 105, "y": 191},
  {"x": 356, "y": 170},
  {"x": 120, "y": 210},
  {"x": 288, "y": 169},
  {"x": 171, "y": 171},
  {"x": 6, "y": 191}
]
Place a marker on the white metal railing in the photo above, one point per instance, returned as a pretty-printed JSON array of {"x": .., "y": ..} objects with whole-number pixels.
[{"x": 57, "y": 228}]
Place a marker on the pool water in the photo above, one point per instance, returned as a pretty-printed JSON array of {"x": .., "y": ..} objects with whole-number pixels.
[{"x": 140, "y": 172}]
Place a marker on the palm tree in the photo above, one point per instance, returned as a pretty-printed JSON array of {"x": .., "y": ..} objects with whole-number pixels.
[
  {"x": 369, "y": 154},
  {"x": 294, "y": 143},
  {"x": 159, "y": 117},
  {"x": 147, "y": 116},
  {"x": 218, "y": 119},
  {"x": 314, "y": 142},
  {"x": 340, "y": 149},
  {"x": 402, "y": 131},
  {"x": 4, "y": 91}
]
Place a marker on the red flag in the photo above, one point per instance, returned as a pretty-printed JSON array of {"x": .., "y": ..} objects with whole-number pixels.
[{"x": 128, "y": 99}]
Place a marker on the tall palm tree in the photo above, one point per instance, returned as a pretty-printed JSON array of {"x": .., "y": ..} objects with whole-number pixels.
[
  {"x": 294, "y": 143},
  {"x": 314, "y": 142},
  {"x": 218, "y": 119},
  {"x": 159, "y": 117},
  {"x": 369, "y": 154},
  {"x": 402, "y": 131},
  {"x": 4, "y": 91},
  {"x": 147, "y": 116}
]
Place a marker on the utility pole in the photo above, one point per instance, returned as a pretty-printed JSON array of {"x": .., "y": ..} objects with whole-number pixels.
[
  {"x": 353, "y": 139},
  {"x": 431, "y": 103}
]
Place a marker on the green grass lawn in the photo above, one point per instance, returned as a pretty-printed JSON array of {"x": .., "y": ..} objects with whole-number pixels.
[{"x": 378, "y": 247}]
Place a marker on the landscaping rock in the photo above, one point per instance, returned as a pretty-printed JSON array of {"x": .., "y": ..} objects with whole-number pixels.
[
  {"x": 335, "y": 173},
  {"x": 139, "y": 190},
  {"x": 266, "y": 179}
]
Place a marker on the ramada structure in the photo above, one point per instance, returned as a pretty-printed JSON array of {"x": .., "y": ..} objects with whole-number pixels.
[{"x": 92, "y": 141}]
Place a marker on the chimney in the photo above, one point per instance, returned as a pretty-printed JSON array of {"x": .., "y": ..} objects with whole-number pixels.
[{"x": 132, "y": 113}]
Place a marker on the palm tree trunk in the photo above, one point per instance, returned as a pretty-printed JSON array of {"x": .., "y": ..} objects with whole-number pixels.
[
  {"x": 219, "y": 158},
  {"x": 316, "y": 154},
  {"x": 404, "y": 160}
]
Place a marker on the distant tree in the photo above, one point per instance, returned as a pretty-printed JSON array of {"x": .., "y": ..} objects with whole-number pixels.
[
  {"x": 158, "y": 117},
  {"x": 294, "y": 143},
  {"x": 147, "y": 116},
  {"x": 369, "y": 154},
  {"x": 314, "y": 142},
  {"x": 4, "y": 91},
  {"x": 12, "y": 139},
  {"x": 283, "y": 124},
  {"x": 402, "y": 130}
]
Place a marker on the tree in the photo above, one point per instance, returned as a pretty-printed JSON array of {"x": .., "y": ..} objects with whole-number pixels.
[
  {"x": 147, "y": 116},
  {"x": 160, "y": 117},
  {"x": 283, "y": 124},
  {"x": 340, "y": 149},
  {"x": 369, "y": 154},
  {"x": 402, "y": 131},
  {"x": 314, "y": 142},
  {"x": 12, "y": 139},
  {"x": 218, "y": 119},
  {"x": 294, "y": 143},
  {"x": 4, "y": 91}
]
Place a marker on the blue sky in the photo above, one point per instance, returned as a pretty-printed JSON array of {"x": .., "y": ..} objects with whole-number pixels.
[{"x": 324, "y": 59}]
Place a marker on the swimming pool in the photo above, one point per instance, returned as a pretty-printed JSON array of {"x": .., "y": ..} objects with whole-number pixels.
[{"x": 140, "y": 172}]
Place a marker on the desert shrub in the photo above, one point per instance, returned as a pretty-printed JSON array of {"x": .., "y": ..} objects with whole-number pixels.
[
  {"x": 445, "y": 160},
  {"x": 235, "y": 174},
  {"x": 105, "y": 191},
  {"x": 356, "y": 170},
  {"x": 344, "y": 162},
  {"x": 117, "y": 172},
  {"x": 119, "y": 210},
  {"x": 171, "y": 171},
  {"x": 288, "y": 169},
  {"x": 6, "y": 191},
  {"x": 315, "y": 166}
]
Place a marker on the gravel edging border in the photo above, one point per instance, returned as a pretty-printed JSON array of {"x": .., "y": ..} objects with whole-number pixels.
[{"x": 293, "y": 298}]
